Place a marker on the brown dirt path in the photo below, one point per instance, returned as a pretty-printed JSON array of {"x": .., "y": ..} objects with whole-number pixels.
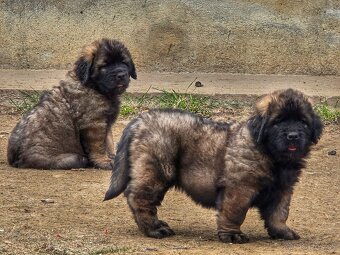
[{"x": 214, "y": 83}]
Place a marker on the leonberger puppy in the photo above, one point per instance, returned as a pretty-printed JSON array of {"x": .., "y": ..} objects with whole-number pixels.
[
  {"x": 227, "y": 166},
  {"x": 70, "y": 127}
]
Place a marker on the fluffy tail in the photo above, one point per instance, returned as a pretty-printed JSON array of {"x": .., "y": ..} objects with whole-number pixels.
[
  {"x": 13, "y": 148},
  {"x": 121, "y": 167}
]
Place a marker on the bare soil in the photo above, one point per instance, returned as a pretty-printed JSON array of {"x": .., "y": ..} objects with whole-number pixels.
[
  {"x": 78, "y": 222},
  {"x": 213, "y": 83}
]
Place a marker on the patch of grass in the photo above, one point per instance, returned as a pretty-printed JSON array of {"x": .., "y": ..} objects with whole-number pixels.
[
  {"x": 109, "y": 250},
  {"x": 27, "y": 102},
  {"x": 202, "y": 105},
  {"x": 127, "y": 109},
  {"x": 135, "y": 104},
  {"x": 167, "y": 99},
  {"x": 327, "y": 112},
  {"x": 189, "y": 102}
]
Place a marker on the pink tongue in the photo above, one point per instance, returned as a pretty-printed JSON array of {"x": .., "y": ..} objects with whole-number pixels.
[{"x": 292, "y": 148}]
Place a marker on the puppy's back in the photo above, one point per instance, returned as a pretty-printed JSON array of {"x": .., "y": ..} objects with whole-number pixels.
[
  {"x": 42, "y": 133},
  {"x": 17, "y": 140},
  {"x": 167, "y": 136}
]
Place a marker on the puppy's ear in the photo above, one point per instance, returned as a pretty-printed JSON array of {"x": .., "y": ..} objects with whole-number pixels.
[
  {"x": 132, "y": 70},
  {"x": 82, "y": 69},
  {"x": 257, "y": 126},
  {"x": 83, "y": 66},
  {"x": 317, "y": 128},
  {"x": 122, "y": 52},
  {"x": 258, "y": 122}
]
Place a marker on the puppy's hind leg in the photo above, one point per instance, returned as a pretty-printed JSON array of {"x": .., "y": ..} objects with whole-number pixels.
[
  {"x": 69, "y": 161},
  {"x": 61, "y": 161},
  {"x": 144, "y": 193}
]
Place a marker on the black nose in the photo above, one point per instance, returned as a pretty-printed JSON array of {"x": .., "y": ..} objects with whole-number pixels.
[
  {"x": 121, "y": 75},
  {"x": 293, "y": 136}
]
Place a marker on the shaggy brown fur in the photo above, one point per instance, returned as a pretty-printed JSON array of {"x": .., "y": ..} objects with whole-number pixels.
[
  {"x": 70, "y": 126},
  {"x": 227, "y": 166}
]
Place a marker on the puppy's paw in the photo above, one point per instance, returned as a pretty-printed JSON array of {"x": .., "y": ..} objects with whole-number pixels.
[
  {"x": 162, "y": 230},
  {"x": 229, "y": 237},
  {"x": 105, "y": 165},
  {"x": 111, "y": 156},
  {"x": 286, "y": 234}
]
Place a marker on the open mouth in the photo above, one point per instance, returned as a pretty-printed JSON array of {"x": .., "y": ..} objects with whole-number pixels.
[
  {"x": 121, "y": 88},
  {"x": 292, "y": 148}
]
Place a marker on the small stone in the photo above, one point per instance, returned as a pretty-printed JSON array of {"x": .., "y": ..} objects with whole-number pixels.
[
  {"x": 198, "y": 84},
  {"x": 332, "y": 152},
  {"x": 47, "y": 201}
]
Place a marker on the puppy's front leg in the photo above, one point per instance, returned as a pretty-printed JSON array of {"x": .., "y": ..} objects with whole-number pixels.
[
  {"x": 110, "y": 145},
  {"x": 276, "y": 214},
  {"x": 94, "y": 141},
  {"x": 232, "y": 205}
]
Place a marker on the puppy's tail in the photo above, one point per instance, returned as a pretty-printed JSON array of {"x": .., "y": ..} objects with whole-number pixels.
[
  {"x": 121, "y": 166},
  {"x": 14, "y": 147}
]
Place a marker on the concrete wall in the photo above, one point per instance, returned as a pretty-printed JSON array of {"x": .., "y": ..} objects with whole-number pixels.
[{"x": 246, "y": 36}]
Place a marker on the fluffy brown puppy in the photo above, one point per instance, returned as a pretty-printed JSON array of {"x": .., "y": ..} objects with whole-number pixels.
[
  {"x": 227, "y": 166},
  {"x": 70, "y": 126}
]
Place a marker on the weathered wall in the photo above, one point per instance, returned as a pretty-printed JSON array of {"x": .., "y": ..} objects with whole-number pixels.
[{"x": 247, "y": 36}]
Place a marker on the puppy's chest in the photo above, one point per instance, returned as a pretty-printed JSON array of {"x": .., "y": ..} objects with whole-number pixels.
[
  {"x": 91, "y": 105},
  {"x": 247, "y": 167},
  {"x": 245, "y": 162},
  {"x": 281, "y": 181}
]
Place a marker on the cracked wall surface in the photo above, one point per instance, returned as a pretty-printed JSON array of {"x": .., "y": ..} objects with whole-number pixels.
[{"x": 237, "y": 36}]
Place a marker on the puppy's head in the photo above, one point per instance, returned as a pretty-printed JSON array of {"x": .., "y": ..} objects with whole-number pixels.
[
  {"x": 105, "y": 65},
  {"x": 285, "y": 125}
]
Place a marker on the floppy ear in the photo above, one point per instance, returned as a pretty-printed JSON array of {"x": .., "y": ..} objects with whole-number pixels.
[
  {"x": 258, "y": 122},
  {"x": 257, "y": 127},
  {"x": 317, "y": 128},
  {"x": 82, "y": 69},
  {"x": 132, "y": 70}
]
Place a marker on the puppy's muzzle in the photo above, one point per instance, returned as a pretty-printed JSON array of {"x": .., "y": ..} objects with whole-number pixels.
[
  {"x": 122, "y": 76},
  {"x": 291, "y": 136}
]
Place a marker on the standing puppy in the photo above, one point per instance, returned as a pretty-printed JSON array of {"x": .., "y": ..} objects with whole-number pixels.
[
  {"x": 229, "y": 167},
  {"x": 70, "y": 126}
]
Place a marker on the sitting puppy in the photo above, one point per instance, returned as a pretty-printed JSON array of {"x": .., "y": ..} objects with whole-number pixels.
[
  {"x": 70, "y": 126},
  {"x": 227, "y": 166}
]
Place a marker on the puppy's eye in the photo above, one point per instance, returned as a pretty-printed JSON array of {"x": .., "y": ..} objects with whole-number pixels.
[
  {"x": 305, "y": 123},
  {"x": 102, "y": 69},
  {"x": 275, "y": 122}
]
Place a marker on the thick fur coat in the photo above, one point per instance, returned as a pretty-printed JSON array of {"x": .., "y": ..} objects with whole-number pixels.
[
  {"x": 71, "y": 125},
  {"x": 227, "y": 166}
]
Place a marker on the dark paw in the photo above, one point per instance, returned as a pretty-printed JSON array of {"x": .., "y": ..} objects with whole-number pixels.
[
  {"x": 83, "y": 161},
  {"x": 286, "y": 234},
  {"x": 160, "y": 231},
  {"x": 227, "y": 237},
  {"x": 104, "y": 166}
]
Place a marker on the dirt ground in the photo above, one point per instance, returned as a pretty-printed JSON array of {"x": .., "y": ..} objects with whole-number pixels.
[
  {"x": 78, "y": 222},
  {"x": 213, "y": 83}
]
